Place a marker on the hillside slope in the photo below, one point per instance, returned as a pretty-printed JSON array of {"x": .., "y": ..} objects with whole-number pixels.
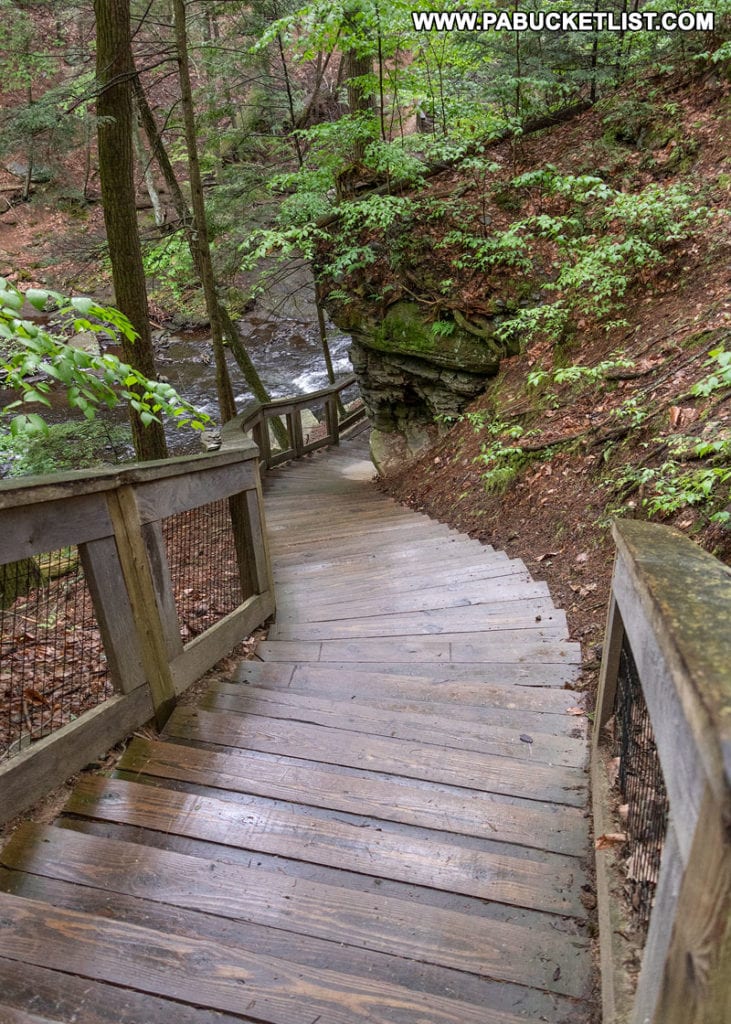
[{"x": 542, "y": 460}]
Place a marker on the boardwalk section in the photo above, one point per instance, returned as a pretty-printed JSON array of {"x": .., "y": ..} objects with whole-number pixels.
[{"x": 382, "y": 818}]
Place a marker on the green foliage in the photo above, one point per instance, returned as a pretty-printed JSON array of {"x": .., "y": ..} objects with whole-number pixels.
[
  {"x": 72, "y": 445},
  {"x": 678, "y": 482},
  {"x": 720, "y": 379},
  {"x": 169, "y": 266},
  {"x": 33, "y": 360},
  {"x": 605, "y": 241}
]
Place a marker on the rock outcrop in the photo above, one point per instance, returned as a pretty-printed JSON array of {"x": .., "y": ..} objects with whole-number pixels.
[{"x": 413, "y": 375}]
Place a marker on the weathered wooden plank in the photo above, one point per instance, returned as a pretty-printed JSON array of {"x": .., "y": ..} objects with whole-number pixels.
[
  {"x": 113, "y": 612},
  {"x": 484, "y": 714},
  {"x": 144, "y": 576},
  {"x": 14, "y": 1015},
  {"x": 359, "y": 920},
  {"x": 558, "y": 829},
  {"x": 33, "y": 529},
  {"x": 66, "y": 997},
  {"x": 460, "y": 733},
  {"x": 158, "y": 499},
  {"x": 49, "y": 762},
  {"x": 339, "y": 877},
  {"x": 508, "y": 775},
  {"x": 517, "y": 586},
  {"x": 448, "y": 648},
  {"x": 505, "y": 616},
  {"x": 548, "y": 885},
  {"x": 539, "y": 687},
  {"x": 211, "y": 974},
  {"x": 78, "y": 482},
  {"x": 295, "y": 948}
]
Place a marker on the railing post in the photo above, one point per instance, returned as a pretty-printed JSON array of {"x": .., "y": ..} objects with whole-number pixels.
[
  {"x": 333, "y": 422},
  {"x": 134, "y": 558},
  {"x": 260, "y": 434},
  {"x": 294, "y": 426}
]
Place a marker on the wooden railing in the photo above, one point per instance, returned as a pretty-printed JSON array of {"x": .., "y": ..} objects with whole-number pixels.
[
  {"x": 124, "y": 526},
  {"x": 670, "y": 617},
  {"x": 256, "y": 417}
]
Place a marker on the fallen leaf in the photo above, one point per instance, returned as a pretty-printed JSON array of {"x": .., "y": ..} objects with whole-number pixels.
[
  {"x": 610, "y": 839},
  {"x": 577, "y": 711},
  {"x": 583, "y": 557},
  {"x": 613, "y": 771},
  {"x": 548, "y": 554},
  {"x": 623, "y": 811}
]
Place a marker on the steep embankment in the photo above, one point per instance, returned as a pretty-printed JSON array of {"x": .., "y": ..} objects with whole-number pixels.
[{"x": 615, "y": 407}]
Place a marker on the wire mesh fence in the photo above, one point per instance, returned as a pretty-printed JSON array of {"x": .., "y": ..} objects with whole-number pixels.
[
  {"x": 201, "y": 553},
  {"x": 52, "y": 661},
  {"x": 641, "y": 785}
]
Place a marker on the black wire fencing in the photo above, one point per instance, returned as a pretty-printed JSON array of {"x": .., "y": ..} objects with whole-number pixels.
[
  {"x": 204, "y": 568},
  {"x": 640, "y": 783},
  {"x": 52, "y": 661}
]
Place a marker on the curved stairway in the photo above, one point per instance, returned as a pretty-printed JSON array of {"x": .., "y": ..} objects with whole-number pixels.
[{"x": 382, "y": 818}]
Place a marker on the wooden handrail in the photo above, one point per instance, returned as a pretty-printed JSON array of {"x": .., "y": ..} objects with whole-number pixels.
[
  {"x": 115, "y": 518},
  {"x": 253, "y": 420},
  {"x": 671, "y": 607}
]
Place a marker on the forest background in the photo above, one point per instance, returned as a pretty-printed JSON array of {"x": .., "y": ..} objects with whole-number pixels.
[{"x": 561, "y": 196}]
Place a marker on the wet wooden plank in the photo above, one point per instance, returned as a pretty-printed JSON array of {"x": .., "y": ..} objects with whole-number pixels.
[
  {"x": 551, "y": 827},
  {"x": 67, "y": 998},
  {"x": 507, "y": 616},
  {"x": 549, "y": 688},
  {"x": 549, "y": 885},
  {"x": 339, "y": 877},
  {"x": 450, "y": 647},
  {"x": 357, "y": 920},
  {"x": 533, "y": 687},
  {"x": 211, "y": 974},
  {"x": 481, "y": 713},
  {"x": 418, "y": 977},
  {"x": 429, "y": 762},
  {"x": 455, "y": 732}
]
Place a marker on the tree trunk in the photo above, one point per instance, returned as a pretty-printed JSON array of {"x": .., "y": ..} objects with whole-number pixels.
[
  {"x": 115, "y": 70},
  {"x": 17, "y": 579},
  {"x": 200, "y": 227},
  {"x": 230, "y": 331},
  {"x": 146, "y": 168}
]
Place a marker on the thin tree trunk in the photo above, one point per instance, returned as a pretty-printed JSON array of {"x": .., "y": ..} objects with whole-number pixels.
[
  {"x": 115, "y": 70},
  {"x": 223, "y": 380},
  {"x": 146, "y": 169},
  {"x": 230, "y": 331}
]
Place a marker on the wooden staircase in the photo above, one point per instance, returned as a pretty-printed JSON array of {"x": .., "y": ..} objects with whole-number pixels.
[{"x": 380, "y": 819}]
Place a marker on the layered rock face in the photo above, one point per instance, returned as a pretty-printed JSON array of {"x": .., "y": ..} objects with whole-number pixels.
[{"x": 411, "y": 377}]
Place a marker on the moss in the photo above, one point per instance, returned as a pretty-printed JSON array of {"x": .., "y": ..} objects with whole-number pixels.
[{"x": 404, "y": 331}]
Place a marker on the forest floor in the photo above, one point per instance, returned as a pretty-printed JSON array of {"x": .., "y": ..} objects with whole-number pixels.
[{"x": 583, "y": 451}]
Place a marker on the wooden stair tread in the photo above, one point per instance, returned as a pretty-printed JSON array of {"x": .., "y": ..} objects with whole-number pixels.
[
  {"x": 517, "y": 776},
  {"x": 197, "y": 971}
]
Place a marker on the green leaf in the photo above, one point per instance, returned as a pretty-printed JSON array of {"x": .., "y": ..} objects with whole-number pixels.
[
  {"x": 83, "y": 305},
  {"x": 37, "y": 297}
]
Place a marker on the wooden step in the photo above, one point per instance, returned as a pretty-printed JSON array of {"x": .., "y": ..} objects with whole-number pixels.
[
  {"x": 519, "y": 776},
  {"x": 197, "y": 971},
  {"x": 450, "y": 647},
  {"x": 460, "y": 733},
  {"x": 547, "y": 885},
  {"x": 346, "y": 917},
  {"x": 505, "y": 617},
  {"x": 508, "y": 685},
  {"x": 440, "y": 808}
]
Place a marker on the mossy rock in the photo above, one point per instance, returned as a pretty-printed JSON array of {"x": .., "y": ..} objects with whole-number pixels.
[{"x": 403, "y": 331}]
